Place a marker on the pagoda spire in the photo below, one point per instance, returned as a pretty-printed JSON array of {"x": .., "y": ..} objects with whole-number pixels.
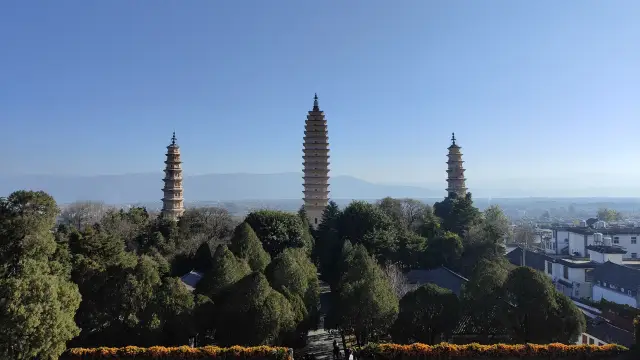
[
  {"x": 456, "y": 182},
  {"x": 173, "y": 200},
  {"x": 315, "y": 164}
]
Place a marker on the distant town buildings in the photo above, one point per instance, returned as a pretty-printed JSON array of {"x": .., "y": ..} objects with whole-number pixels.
[
  {"x": 456, "y": 186},
  {"x": 173, "y": 199},
  {"x": 315, "y": 164}
]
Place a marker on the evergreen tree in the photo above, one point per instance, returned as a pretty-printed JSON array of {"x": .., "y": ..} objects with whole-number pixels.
[
  {"x": 250, "y": 313},
  {"x": 226, "y": 270},
  {"x": 365, "y": 305},
  {"x": 246, "y": 245},
  {"x": 427, "y": 314},
  {"x": 37, "y": 300}
]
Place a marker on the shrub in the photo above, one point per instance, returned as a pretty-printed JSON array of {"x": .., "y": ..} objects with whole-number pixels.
[
  {"x": 178, "y": 353},
  {"x": 477, "y": 351}
]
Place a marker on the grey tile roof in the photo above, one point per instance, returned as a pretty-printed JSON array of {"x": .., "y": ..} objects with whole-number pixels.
[
  {"x": 191, "y": 279},
  {"x": 619, "y": 275},
  {"x": 607, "y": 249},
  {"x": 609, "y": 333},
  {"x": 532, "y": 259},
  {"x": 441, "y": 276}
]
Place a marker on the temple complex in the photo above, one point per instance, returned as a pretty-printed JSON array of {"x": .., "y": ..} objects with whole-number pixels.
[
  {"x": 173, "y": 201},
  {"x": 315, "y": 164},
  {"x": 455, "y": 172}
]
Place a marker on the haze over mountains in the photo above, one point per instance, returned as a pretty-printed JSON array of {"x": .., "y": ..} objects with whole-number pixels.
[{"x": 146, "y": 188}]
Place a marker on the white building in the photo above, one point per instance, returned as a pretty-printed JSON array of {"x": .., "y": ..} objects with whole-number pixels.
[
  {"x": 612, "y": 280},
  {"x": 571, "y": 277},
  {"x": 574, "y": 241}
]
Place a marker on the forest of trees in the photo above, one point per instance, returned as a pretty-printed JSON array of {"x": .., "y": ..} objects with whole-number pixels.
[{"x": 110, "y": 277}]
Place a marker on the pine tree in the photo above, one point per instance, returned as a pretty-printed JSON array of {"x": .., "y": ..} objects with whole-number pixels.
[{"x": 246, "y": 245}]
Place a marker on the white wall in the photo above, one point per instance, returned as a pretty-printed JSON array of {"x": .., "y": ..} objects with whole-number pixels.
[
  {"x": 588, "y": 339},
  {"x": 600, "y": 292},
  {"x": 581, "y": 289},
  {"x": 576, "y": 242}
]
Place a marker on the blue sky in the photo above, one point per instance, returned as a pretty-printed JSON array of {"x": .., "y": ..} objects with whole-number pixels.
[{"x": 536, "y": 90}]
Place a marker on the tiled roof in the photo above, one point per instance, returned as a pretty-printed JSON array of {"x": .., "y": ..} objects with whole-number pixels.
[
  {"x": 441, "y": 276},
  {"x": 608, "y": 333},
  {"x": 191, "y": 279},
  {"x": 607, "y": 249},
  {"x": 532, "y": 259},
  {"x": 619, "y": 275}
]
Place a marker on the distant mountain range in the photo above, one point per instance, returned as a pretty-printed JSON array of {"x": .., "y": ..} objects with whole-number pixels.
[{"x": 146, "y": 187}]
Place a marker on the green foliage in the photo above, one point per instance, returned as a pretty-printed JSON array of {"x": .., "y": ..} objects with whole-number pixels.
[
  {"x": 246, "y": 245},
  {"x": 37, "y": 300},
  {"x": 226, "y": 270},
  {"x": 411, "y": 250},
  {"x": 364, "y": 304},
  {"x": 426, "y": 314},
  {"x": 36, "y": 316},
  {"x": 458, "y": 215},
  {"x": 444, "y": 250},
  {"x": 202, "y": 259},
  {"x": 250, "y": 312},
  {"x": 364, "y": 223},
  {"x": 568, "y": 321},
  {"x": 329, "y": 244},
  {"x": 26, "y": 218},
  {"x": 278, "y": 230},
  {"x": 532, "y": 303},
  {"x": 292, "y": 271},
  {"x": 608, "y": 215},
  {"x": 482, "y": 298}
]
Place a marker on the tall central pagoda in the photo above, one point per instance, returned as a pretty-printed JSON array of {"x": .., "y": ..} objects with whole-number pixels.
[
  {"x": 173, "y": 200},
  {"x": 315, "y": 164},
  {"x": 455, "y": 172}
]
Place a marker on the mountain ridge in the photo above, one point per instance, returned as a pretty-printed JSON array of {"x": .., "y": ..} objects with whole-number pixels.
[{"x": 146, "y": 187}]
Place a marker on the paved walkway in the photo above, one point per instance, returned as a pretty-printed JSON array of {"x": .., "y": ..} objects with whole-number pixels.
[{"x": 320, "y": 342}]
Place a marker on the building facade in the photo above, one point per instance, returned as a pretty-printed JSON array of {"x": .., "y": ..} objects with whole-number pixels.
[
  {"x": 315, "y": 164},
  {"x": 456, "y": 182},
  {"x": 173, "y": 199},
  {"x": 574, "y": 241}
]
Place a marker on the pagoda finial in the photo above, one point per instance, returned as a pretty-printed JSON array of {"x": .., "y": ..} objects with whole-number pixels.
[
  {"x": 173, "y": 138},
  {"x": 453, "y": 138},
  {"x": 315, "y": 102}
]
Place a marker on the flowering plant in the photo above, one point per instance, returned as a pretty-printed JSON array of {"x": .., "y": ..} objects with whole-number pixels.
[
  {"x": 474, "y": 351},
  {"x": 177, "y": 353}
]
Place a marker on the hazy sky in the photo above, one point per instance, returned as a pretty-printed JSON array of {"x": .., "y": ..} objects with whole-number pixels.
[{"x": 536, "y": 90}]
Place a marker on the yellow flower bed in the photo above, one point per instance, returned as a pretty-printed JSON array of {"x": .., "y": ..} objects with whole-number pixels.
[
  {"x": 473, "y": 351},
  {"x": 177, "y": 353}
]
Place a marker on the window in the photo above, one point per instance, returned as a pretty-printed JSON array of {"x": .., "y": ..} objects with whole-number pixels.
[
  {"x": 629, "y": 292},
  {"x": 616, "y": 240},
  {"x": 315, "y": 220},
  {"x": 634, "y": 240},
  {"x": 549, "y": 267},
  {"x": 634, "y": 255},
  {"x": 591, "y": 341},
  {"x": 565, "y": 272},
  {"x": 584, "y": 338}
]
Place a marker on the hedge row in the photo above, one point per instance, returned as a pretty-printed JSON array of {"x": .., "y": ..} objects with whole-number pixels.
[
  {"x": 178, "y": 353},
  {"x": 477, "y": 351}
]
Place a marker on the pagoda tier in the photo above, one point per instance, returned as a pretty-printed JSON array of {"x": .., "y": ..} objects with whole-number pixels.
[
  {"x": 315, "y": 164},
  {"x": 456, "y": 185},
  {"x": 173, "y": 199}
]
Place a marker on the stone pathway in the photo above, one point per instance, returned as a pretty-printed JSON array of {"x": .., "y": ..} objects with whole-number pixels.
[{"x": 320, "y": 342}]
